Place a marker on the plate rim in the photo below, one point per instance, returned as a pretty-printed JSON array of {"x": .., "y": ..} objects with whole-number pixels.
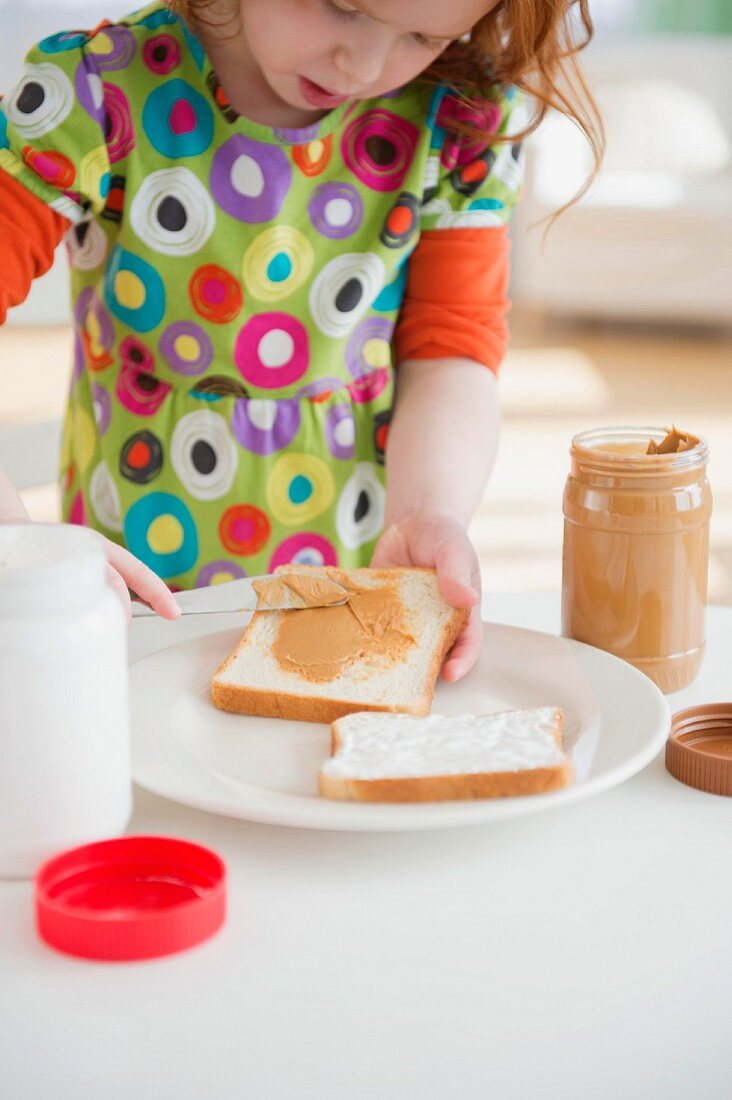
[{"x": 398, "y": 817}]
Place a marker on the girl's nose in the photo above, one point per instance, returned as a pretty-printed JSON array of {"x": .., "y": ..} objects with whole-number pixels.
[{"x": 362, "y": 61}]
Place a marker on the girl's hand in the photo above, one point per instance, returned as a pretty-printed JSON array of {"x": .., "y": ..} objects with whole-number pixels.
[
  {"x": 126, "y": 571},
  {"x": 438, "y": 539}
]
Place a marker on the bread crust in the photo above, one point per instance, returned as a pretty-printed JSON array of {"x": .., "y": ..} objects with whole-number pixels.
[
  {"x": 264, "y": 703},
  {"x": 301, "y": 708},
  {"x": 448, "y": 788}
]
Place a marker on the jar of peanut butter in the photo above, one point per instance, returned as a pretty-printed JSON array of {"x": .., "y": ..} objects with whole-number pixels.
[{"x": 637, "y": 506}]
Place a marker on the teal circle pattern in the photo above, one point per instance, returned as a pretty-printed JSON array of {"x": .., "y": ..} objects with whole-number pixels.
[
  {"x": 62, "y": 42},
  {"x": 279, "y": 268},
  {"x": 151, "y": 312},
  {"x": 300, "y": 489},
  {"x": 160, "y": 17},
  {"x": 177, "y": 120},
  {"x": 138, "y": 521},
  {"x": 391, "y": 296}
]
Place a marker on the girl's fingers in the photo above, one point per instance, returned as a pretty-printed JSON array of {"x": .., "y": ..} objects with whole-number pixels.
[
  {"x": 115, "y": 581},
  {"x": 439, "y": 545},
  {"x": 392, "y": 549},
  {"x": 458, "y": 573},
  {"x": 143, "y": 582},
  {"x": 466, "y": 650}
]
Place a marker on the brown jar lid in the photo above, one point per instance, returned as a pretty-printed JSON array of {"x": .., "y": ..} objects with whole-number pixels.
[{"x": 699, "y": 748}]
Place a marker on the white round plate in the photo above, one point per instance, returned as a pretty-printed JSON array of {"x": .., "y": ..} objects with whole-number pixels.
[{"x": 266, "y": 769}]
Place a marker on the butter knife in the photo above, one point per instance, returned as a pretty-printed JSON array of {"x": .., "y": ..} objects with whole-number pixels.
[{"x": 232, "y": 596}]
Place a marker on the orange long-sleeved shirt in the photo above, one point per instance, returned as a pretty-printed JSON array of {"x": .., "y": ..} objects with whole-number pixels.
[{"x": 29, "y": 234}]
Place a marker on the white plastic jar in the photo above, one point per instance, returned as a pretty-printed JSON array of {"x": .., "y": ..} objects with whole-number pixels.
[{"x": 64, "y": 725}]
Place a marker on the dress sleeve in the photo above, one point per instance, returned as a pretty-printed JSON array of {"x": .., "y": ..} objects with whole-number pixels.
[
  {"x": 29, "y": 232},
  {"x": 456, "y": 300},
  {"x": 52, "y": 127}
]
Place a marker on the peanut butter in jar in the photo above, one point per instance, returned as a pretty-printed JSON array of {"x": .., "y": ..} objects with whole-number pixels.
[{"x": 637, "y": 506}]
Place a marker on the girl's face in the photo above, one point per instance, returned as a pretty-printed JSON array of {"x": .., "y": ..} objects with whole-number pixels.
[{"x": 314, "y": 54}]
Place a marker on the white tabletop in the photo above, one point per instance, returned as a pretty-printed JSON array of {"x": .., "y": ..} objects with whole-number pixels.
[{"x": 583, "y": 953}]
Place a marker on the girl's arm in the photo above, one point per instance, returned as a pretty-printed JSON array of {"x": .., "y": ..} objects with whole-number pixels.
[
  {"x": 441, "y": 448},
  {"x": 443, "y": 438}
]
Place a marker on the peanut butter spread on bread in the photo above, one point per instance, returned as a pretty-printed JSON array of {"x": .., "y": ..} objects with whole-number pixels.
[
  {"x": 320, "y": 642},
  {"x": 298, "y": 590}
]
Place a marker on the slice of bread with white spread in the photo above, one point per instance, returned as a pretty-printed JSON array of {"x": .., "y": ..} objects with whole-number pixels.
[
  {"x": 398, "y": 758},
  {"x": 252, "y": 680}
]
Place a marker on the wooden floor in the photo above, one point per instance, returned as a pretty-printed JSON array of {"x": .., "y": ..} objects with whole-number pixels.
[{"x": 557, "y": 381}]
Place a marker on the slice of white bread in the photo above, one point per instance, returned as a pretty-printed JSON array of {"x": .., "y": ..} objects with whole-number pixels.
[
  {"x": 397, "y": 758},
  {"x": 251, "y": 680}
]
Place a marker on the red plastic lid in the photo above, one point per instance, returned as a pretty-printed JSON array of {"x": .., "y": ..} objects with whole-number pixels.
[{"x": 137, "y": 897}]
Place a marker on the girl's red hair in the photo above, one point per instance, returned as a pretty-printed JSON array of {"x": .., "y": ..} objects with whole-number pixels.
[{"x": 532, "y": 44}]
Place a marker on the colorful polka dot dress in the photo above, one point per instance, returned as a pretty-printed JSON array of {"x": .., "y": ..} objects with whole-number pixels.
[{"x": 235, "y": 292}]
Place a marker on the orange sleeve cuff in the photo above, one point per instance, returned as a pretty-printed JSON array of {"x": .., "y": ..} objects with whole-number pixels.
[
  {"x": 29, "y": 234},
  {"x": 456, "y": 300}
]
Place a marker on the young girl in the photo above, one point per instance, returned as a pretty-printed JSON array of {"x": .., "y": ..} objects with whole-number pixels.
[{"x": 275, "y": 210}]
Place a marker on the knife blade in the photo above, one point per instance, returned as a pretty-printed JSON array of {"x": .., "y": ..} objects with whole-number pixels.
[{"x": 229, "y": 596}]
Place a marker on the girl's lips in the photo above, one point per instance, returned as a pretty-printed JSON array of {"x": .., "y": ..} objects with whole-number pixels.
[{"x": 317, "y": 96}]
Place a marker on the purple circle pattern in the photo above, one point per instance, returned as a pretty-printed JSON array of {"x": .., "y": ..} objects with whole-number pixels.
[
  {"x": 321, "y": 388},
  {"x": 299, "y": 136},
  {"x": 78, "y": 357},
  {"x": 190, "y": 367},
  {"x": 339, "y": 414},
  {"x": 82, "y": 305},
  {"x": 88, "y": 302},
  {"x": 372, "y": 328},
  {"x": 206, "y": 575},
  {"x": 265, "y": 441},
  {"x": 102, "y": 407},
  {"x": 86, "y": 81},
  {"x": 123, "y": 48},
  {"x": 318, "y": 209},
  {"x": 229, "y": 175}
]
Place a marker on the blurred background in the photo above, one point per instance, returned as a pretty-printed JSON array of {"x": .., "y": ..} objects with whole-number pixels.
[{"x": 622, "y": 311}]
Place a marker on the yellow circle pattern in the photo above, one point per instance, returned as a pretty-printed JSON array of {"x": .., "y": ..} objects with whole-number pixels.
[
  {"x": 377, "y": 353},
  {"x": 187, "y": 348},
  {"x": 301, "y": 467},
  {"x": 129, "y": 290},
  {"x": 93, "y": 167},
  {"x": 101, "y": 43},
  {"x": 165, "y": 535},
  {"x": 271, "y": 243}
]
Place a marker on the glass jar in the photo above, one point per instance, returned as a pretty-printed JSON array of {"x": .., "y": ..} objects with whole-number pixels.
[
  {"x": 636, "y": 551},
  {"x": 64, "y": 729}
]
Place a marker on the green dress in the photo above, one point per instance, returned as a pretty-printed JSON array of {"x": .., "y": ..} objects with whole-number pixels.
[{"x": 235, "y": 291}]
